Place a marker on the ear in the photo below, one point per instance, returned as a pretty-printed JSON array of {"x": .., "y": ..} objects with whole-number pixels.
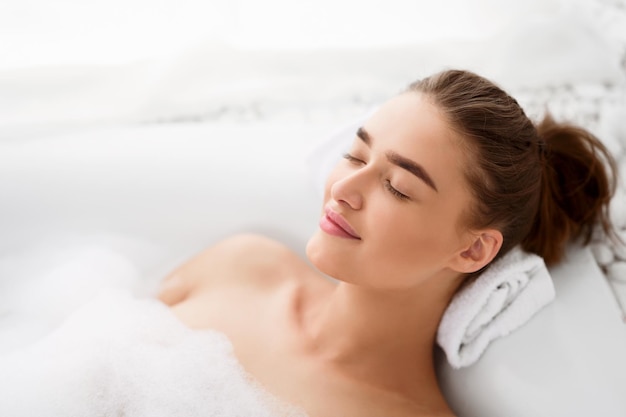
[{"x": 481, "y": 250}]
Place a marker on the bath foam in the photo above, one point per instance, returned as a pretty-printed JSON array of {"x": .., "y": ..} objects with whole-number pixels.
[
  {"x": 40, "y": 286},
  {"x": 119, "y": 355}
]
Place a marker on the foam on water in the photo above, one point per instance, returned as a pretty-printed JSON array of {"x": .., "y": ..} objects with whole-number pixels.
[
  {"x": 120, "y": 355},
  {"x": 81, "y": 335},
  {"x": 42, "y": 284}
]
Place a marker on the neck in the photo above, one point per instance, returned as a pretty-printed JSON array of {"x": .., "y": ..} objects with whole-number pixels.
[{"x": 382, "y": 336}]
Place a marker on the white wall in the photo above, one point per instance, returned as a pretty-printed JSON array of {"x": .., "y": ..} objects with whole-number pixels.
[
  {"x": 60, "y": 32},
  {"x": 67, "y": 63}
]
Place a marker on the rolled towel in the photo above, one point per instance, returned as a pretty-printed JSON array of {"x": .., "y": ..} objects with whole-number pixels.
[{"x": 500, "y": 300}]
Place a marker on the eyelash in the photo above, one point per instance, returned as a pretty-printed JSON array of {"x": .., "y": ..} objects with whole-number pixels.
[
  {"x": 352, "y": 159},
  {"x": 395, "y": 192},
  {"x": 388, "y": 186}
]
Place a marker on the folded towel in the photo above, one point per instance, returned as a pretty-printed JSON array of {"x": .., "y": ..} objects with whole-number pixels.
[{"x": 499, "y": 301}]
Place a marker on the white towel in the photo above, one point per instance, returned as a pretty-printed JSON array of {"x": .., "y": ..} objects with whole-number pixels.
[{"x": 501, "y": 299}]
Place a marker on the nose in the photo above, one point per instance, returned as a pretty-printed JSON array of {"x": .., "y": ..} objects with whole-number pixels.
[{"x": 349, "y": 189}]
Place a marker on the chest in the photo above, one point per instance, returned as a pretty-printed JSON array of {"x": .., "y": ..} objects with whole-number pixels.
[
  {"x": 254, "y": 321},
  {"x": 260, "y": 326}
]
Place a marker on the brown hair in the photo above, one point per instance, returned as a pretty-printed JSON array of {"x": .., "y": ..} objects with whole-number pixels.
[{"x": 541, "y": 186}]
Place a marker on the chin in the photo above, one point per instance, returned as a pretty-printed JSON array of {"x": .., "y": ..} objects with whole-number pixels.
[
  {"x": 319, "y": 251},
  {"x": 320, "y": 255},
  {"x": 315, "y": 249}
]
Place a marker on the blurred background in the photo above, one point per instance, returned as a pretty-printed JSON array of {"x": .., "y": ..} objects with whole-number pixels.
[
  {"x": 69, "y": 64},
  {"x": 112, "y": 32},
  {"x": 120, "y": 117},
  {"x": 134, "y": 133}
]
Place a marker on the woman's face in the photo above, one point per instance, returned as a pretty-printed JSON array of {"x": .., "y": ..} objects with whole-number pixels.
[{"x": 392, "y": 206}]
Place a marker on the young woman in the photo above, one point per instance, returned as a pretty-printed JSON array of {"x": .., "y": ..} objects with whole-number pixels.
[{"x": 442, "y": 180}]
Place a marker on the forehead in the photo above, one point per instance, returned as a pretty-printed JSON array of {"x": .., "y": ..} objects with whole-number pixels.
[
  {"x": 412, "y": 126},
  {"x": 411, "y": 116}
]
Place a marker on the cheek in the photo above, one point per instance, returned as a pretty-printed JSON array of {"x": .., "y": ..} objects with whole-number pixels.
[{"x": 416, "y": 239}]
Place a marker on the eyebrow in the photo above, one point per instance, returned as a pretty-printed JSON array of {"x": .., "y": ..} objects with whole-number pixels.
[{"x": 399, "y": 160}]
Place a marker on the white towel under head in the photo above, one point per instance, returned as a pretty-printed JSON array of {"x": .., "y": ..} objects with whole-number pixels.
[{"x": 499, "y": 301}]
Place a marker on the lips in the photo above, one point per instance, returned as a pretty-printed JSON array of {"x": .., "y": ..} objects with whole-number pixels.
[{"x": 334, "y": 224}]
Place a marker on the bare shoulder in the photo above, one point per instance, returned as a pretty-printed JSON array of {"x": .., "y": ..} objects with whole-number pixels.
[
  {"x": 244, "y": 258},
  {"x": 244, "y": 251}
]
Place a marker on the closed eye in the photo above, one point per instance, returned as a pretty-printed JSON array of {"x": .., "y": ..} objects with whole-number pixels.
[
  {"x": 400, "y": 196},
  {"x": 353, "y": 159},
  {"x": 395, "y": 192}
]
